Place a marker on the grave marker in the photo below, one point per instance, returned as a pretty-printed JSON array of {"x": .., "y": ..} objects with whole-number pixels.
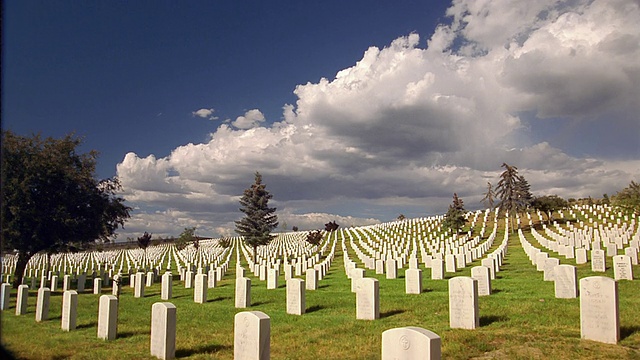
[
  {"x": 408, "y": 343},
  {"x": 252, "y": 336},
  {"x": 599, "y": 316},
  {"x": 463, "y": 303},
  {"x": 108, "y": 317},
  {"x": 163, "y": 330}
]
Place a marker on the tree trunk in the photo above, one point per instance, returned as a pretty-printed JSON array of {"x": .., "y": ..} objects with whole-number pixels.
[{"x": 21, "y": 265}]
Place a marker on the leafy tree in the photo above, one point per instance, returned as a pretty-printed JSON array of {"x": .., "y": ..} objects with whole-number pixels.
[
  {"x": 331, "y": 226},
  {"x": 628, "y": 199},
  {"x": 548, "y": 204},
  {"x": 144, "y": 241},
  {"x": 260, "y": 219},
  {"x": 294, "y": 228},
  {"x": 225, "y": 242},
  {"x": 314, "y": 237},
  {"x": 187, "y": 236},
  {"x": 401, "y": 217},
  {"x": 513, "y": 192},
  {"x": 605, "y": 200},
  {"x": 489, "y": 196},
  {"x": 51, "y": 200},
  {"x": 454, "y": 218}
]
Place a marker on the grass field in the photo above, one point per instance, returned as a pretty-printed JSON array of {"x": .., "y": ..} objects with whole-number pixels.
[{"x": 521, "y": 319}]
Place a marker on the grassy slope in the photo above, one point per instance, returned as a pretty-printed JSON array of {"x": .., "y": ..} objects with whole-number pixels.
[{"x": 521, "y": 320}]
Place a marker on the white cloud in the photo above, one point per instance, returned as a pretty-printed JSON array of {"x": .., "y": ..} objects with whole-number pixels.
[
  {"x": 252, "y": 118},
  {"x": 205, "y": 114},
  {"x": 406, "y": 126}
]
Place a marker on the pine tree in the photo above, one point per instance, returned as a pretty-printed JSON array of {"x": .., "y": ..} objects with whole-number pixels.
[
  {"x": 454, "y": 218},
  {"x": 259, "y": 218},
  {"x": 513, "y": 192},
  {"x": 489, "y": 196}
]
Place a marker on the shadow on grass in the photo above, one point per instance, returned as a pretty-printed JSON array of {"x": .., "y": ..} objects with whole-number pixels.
[
  {"x": 259, "y": 303},
  {"x": 490, "y": 319},
  {"x": 219, "y": 298},
  {"x": 128, "y": 334},
  {"x": 495, "y": 291},
  {"x": 425, "y": 290},
  {"x": 626, "y": 331},
  {"x": 390, "y": 313},
  {"x": 314, "y": 308},
  {"x": 211, "y": 348},
  {"x": 180, "y": 296},
  {"x": 323, "y": 286},
  {"x": 86, "y": 326}
]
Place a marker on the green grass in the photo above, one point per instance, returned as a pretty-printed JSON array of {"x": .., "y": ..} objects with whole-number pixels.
[{"x": 520, "y": 320}]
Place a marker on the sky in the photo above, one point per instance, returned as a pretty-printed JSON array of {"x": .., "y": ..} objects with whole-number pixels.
[{"x": 352, "y": 111}]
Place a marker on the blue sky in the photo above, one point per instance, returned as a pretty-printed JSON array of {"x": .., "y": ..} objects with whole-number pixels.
[{"x": 353, "y": 111}]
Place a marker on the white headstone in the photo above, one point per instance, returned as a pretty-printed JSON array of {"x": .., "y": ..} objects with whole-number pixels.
[
  {"x": 252, "y": 336},
  {"x": 138, "y": 291},
  {"x": 243, "y": 293},
  {"x": 565, "y": 281},
  {"x": 599, "y": 316},
  {"x": 413, "y": 281},
  {"x": 272, "y": 279},
  {"x": 97, "y": 285},
  {"x": 437, "y": 269},
  {"x": 42, "y": 304},
  {"x": 21, "y": 300},
  {"x": 598, "y": 261},
  {"x": 368, "y": 299},
  {"x": 166, "y": 292},
  {"x": 200, "y": 289},
  {"x": 622, "y": 269},
  {"x": 483, "y": 275},
  {"x": 108, "y": 317},
  {"x": 163, "y": 330},
  {"x": 463, "y": 303},
  {"x": 296, "y": 302},
  {"x": 69, "y": 310},
  {"x": 408, "y": 343},
  {"x": 392, "y": 269},
  {"x": 311, "y": 282}
]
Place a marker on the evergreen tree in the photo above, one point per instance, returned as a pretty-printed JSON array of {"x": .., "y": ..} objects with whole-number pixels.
[
  {"x": 259, "y": 218},
  {"x": 509, "y": 191},
  {"x": 454, "y": 218},
  {"x": 489, "y": 196},
  {"x": 524, "y": 193}
]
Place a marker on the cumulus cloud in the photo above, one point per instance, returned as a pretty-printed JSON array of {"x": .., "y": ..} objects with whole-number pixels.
[
  {"x": 252, "y": 118},
  {"x": 408, "y": 125},
  {"x": 205, "y": 114}
]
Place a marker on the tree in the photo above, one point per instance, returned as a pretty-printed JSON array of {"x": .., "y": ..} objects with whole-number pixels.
[
  {"x": 187, "y": 236},
  {"x": 489, "y": 197},
  {"x": 331, "y": 226},
  {"x": 314, "y": 237},
  {"x": 51, "y": 199},
  {"x": 225, "y": 242},
  {"x": 144, "y": 241},
  {"x": 548, "y": 204},
  {"x": 454, "y": 218},
  {"x": 401, "y": 217},
  {"x": 628, "y": 199},
  {"x": 260, "y": 219},
  {"x": 294, "y": 228},
  {"x": 513, "y": 192}
]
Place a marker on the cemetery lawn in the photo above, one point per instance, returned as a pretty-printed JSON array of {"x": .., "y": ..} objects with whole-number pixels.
[{"x": 522, "y": 319}]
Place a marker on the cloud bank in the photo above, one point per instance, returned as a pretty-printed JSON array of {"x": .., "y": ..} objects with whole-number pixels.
[{"x": 410, "y": 124}]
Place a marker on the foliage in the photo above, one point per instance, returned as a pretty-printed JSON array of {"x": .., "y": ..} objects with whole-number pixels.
[
  {"x": 548, "y": 204},
  {"x": 454, "y": 218},
  {"x": 513, "y": 192},
  {"x": 331, "y": 226},
  {"x": 489, "y": 196},
  {"x": 294, "y": 228},
  {"x": 187, "y": 236},
  {"x": 628, "y": 199},
  {"x": 314, "y": 237},
  {"x": 144, "y": 241},
  {"x": 225, "y": 242},
  {"x": 401, "y": 217},
  {"x": 260, "y": 219},
  {"x": 51, "y": 200}
]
